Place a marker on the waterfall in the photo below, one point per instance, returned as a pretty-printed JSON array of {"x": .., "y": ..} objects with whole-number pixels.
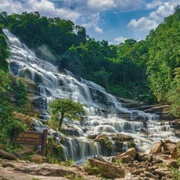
[{"x": 106, "y": 116}]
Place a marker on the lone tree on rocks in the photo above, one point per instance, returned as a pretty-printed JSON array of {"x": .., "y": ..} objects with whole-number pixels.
[{"x": 65, "y": 108}]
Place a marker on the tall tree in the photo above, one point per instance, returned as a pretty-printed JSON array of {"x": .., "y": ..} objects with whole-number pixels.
[
  {"x": 65, "y": 108},
  {"x": 164, "y": 56}
]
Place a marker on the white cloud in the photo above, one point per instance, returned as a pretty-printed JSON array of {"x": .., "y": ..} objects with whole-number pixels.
[
  {"x": 88, "y": 7},
  {"x": 87, "y": 12},
  {"x": 154, "y": 4},
  {"x": 143, "y": 24},
  {"x": 119, "y": 5},
  {"x": 100, "y": 5},
  {"x": 120, "y": 39},
  {"x": 98, "y": 30},
  {"x": 127, "y": 5},
  {"x": 163, "y": 9},
  {"x": 44, "y": 7},
  {"x": 92, "y": 23}
]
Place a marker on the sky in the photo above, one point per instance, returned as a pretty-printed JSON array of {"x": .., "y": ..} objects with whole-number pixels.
[{"x": 110, "y": 20}]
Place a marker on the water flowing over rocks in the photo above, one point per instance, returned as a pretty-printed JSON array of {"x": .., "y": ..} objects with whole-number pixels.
[
  {"x": 160, "y": 109},
  {"x": 155, "y": 166},
  {"x": 108, "y": 128}
]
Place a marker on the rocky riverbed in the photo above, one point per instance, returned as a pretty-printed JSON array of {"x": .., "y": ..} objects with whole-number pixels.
[{"x": 158, "y": 164}]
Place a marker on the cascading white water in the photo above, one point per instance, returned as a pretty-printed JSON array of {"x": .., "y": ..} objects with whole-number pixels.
[{"x": 105, "y": 115}]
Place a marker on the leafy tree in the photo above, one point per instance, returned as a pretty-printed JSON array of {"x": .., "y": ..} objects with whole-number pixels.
[
  {"x": 65, "y": 108},
  {"x": 102, "y": 77},
  {"x": 9, "y": 125},
  {"x": 174, "y": 94},
  {"x": 163, "y": 47},
  {"x": 4, "y": 54},
  {"x": 19, "y": 91}
]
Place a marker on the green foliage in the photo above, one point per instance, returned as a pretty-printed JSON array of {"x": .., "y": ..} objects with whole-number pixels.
[
  {"x": 163, "y": 47},
  {"x": 67, "y": 163},
  {"x": 174, "y": 94},
  {"x": 59, "y": 34},
  {"x": 117, "y": 68},
  {"x": 175, "y": 174},
  {"x": 107, "y": 142},
  {"x": 55, "y": 152},
  {"x": 65, "y": 108},
  {"x": 9, "y": 125},
  {"x": 118, "y": 162},
  {"x": 68, "y": 46},
  {"x": 102, "y": 77},
  {"x": 74, "y": 177},
  {"x": 131, "y": 144},
  {"x": 91, "y": 170},
  {"x": 4, "y": 54},
  {"x": 164, "y": 59},
  {"x": 19, "y": 91},
  {"x": 4, "y": 84}
]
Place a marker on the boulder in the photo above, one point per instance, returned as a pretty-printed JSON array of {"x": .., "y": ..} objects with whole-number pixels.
[
  {"x": 138, "y": 171},
  {"x": 175, "y": 154},
  {"x": 162, "y": 171},
  {"x": 123, "y": 159},
  {"x": 150, "y": 175},
  {"x": 144, "y": 157},
  {"x": 130, "y": 152},
  {"x": 169, "y": 146},
  {"x": 171, "y": 163},
  {"x": 121, "y": 138},
  {"x": 159, "y": 158},
  {"x": 107, "y": 169},
  {"x": 156, "y": 148},
  {"x": 100, "y": 158},
  {"x": 91, "y": 136}
]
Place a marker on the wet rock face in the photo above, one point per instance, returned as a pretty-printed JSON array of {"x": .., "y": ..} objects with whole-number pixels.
[
  {"x": 113, "y": 143},
  {"x": 14, "y": 67},
  {"x": 130, "y": 103},
  {"x": 175, "y": 124},
  {"x": 161, "y": 110}
]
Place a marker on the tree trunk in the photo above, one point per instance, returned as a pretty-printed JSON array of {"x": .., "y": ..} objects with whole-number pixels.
[{"x": 60, "y": 122}]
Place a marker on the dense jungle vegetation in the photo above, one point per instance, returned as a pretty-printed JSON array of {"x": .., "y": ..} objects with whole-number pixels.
[{"x": 147, "y": 70}]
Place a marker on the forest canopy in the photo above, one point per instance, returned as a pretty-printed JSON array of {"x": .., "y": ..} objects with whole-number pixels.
[{"x": 146, "y": 70}]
